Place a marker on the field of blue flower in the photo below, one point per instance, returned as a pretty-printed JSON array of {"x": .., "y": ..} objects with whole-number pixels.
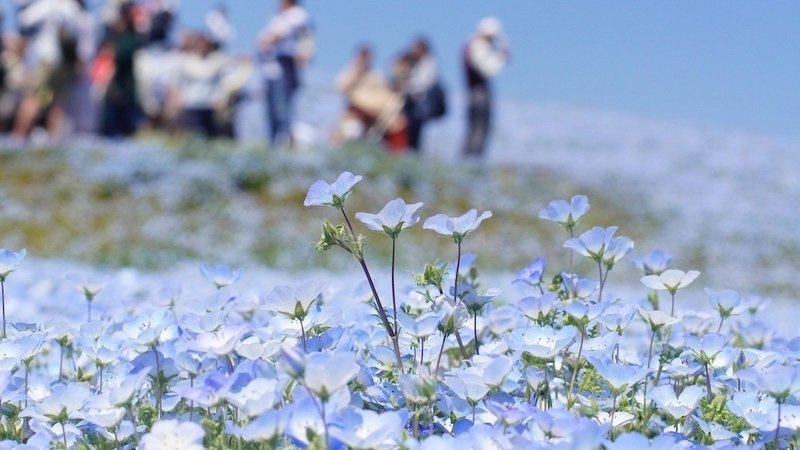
[{"x": 501, "y": 313}]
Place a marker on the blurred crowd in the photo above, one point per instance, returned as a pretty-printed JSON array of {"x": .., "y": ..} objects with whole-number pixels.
[
  {"x": 67, "y": 71},
  {"x": 123, "y": 68}
]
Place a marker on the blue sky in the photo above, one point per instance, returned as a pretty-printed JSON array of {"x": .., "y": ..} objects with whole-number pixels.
[{"x": 731, "y": 63}]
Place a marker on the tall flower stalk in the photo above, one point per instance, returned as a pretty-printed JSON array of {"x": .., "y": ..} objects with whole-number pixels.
[{"x": 8, "y": 263}]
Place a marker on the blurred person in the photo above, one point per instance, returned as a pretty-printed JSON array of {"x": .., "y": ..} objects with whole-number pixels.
[
  {"x": 423, "y": 80},
  {"x": 484, "y": 57},
  {"x": 120, "y": 105},
  {"x": 200, "y": 74},
  {"x": 155, "y": 67},
  {"x": 374, "y": 108},
  {"x": 280, "y": 44},
  {"x": 15, "y": 73},
  {"x": 61, "y": 36}
]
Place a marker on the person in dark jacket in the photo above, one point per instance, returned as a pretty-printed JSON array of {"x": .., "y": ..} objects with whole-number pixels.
[{"x": 121, "y": 111}]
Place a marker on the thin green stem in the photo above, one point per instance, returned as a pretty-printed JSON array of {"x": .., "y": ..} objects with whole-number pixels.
[
  {"x": 61, "y": 364},
  {"x": 721, "y": 320},
  {"x": 708, "y": 382},
  {"x": 778, "y": 427},
  {"x": 577, "y": 363},
  {"x": 439, "y": 359},
  {"x": 64, "y": 433},
  {"x": 3, "y": 295},
  {"x": 650, "y": 352},
  {"x": 672, "y": 309},
  {"x": 600, "y": 270},
  {"x": 458, "y": 266},
  {"x": 394, "y": 295},
  {"x": 303, "y": 335},
  {"x": 475, "y": 331}
]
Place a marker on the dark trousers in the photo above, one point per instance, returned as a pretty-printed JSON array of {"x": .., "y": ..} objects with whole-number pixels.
[
  {"x": 280, "y": 95},
  {"x": 478, "y": 122}
]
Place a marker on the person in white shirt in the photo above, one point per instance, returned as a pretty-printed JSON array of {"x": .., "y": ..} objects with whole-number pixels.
[
  {"x": 279, "y": 43},
  {"x": 484, "y": 57}
]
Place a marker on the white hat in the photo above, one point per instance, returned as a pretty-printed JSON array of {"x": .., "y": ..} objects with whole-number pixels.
[{"x": 490, "y": 26}]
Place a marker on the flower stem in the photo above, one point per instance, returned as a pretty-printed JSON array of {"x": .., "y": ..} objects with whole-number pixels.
[
  {"x": 394, "y": 295},
  {"x": 64, "y": 433},
  {"x": 721, "y": 319},
  {"x": 672, "y": 310},
  {"x": 577, "y": 363},
  {"x": 303, "y": 336},
  {"x": 778, "y": 427},
  {"x": 422, "y": 352},
  {"x": 708, "y": 383},
  {"x": 458, "y": 266},
  {"x": 650, "y": 352},
  {"x": 602, "y": 281},
  {"x": 89, "y": 311},
  {"x": 382, "y": 313},
  {"x": 439, "y": 359},
  {"x": 475, "y": 330},
  {"x": 3, "y": 295},
  {"x": 61, "y": 364}
]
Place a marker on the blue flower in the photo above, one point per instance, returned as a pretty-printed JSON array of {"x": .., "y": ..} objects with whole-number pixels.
[
  {"x": 9, "y": 261},
  {"x": 457, "y": 227},
  {"x": 655, "y": 262},
  {"x": 221, "y": 275},
  {"x": 592, "y": 243},
  {"x": 322, "y": 193},
  {"x": 395, "y": 217},
  {"x": 566, "y": 214},
  {"x": 532, "y": 274}
]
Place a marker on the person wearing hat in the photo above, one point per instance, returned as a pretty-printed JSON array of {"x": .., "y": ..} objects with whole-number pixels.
[{"x": 485, "y": 56}]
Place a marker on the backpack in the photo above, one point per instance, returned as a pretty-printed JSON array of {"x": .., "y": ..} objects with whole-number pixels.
[{"x": 437, "y": 101}]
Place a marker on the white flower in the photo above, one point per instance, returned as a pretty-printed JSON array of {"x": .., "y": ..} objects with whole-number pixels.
[
  {"x": 9, "y": 261},
  {"x": 395, "y": 217},
  {"x": 566, "y": 214},
  {"x": 221, "y": 275},
  {"x": 670, "y": 280},
  {"x": 457, "y": 227},
  {"x": 592, "y": 243},
  {"x": 322, "y": 193},
  {"x": 677, "y": 406},
  {"x": 219, "y": 342},
  {"x": 532, "y": 274},
  {"x": 420, "y": 327},
  {"x": 173, "y": 435}
]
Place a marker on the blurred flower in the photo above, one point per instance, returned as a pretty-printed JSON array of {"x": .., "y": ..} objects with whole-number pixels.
[
  {"x": 532, "y": 274},
  {"x": 670, "y": 280},
  {"x": 173, "y": 435},
  {"x": 221, "y": 275},
  {"x": 9, "y": 261},
  {"x": 395, "y": 217},
  {"x": 265, "y": 427},
  {"x": 655, "y": 262},
  {"x": 88, "y": 287},
  {"x": 635, "y": 441},
  {"x": 322, "y": 193},
  {"x": 616, "y": 250},
  {"x": 566, "y": 214},
  {"x": 457, "y": 227}
]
